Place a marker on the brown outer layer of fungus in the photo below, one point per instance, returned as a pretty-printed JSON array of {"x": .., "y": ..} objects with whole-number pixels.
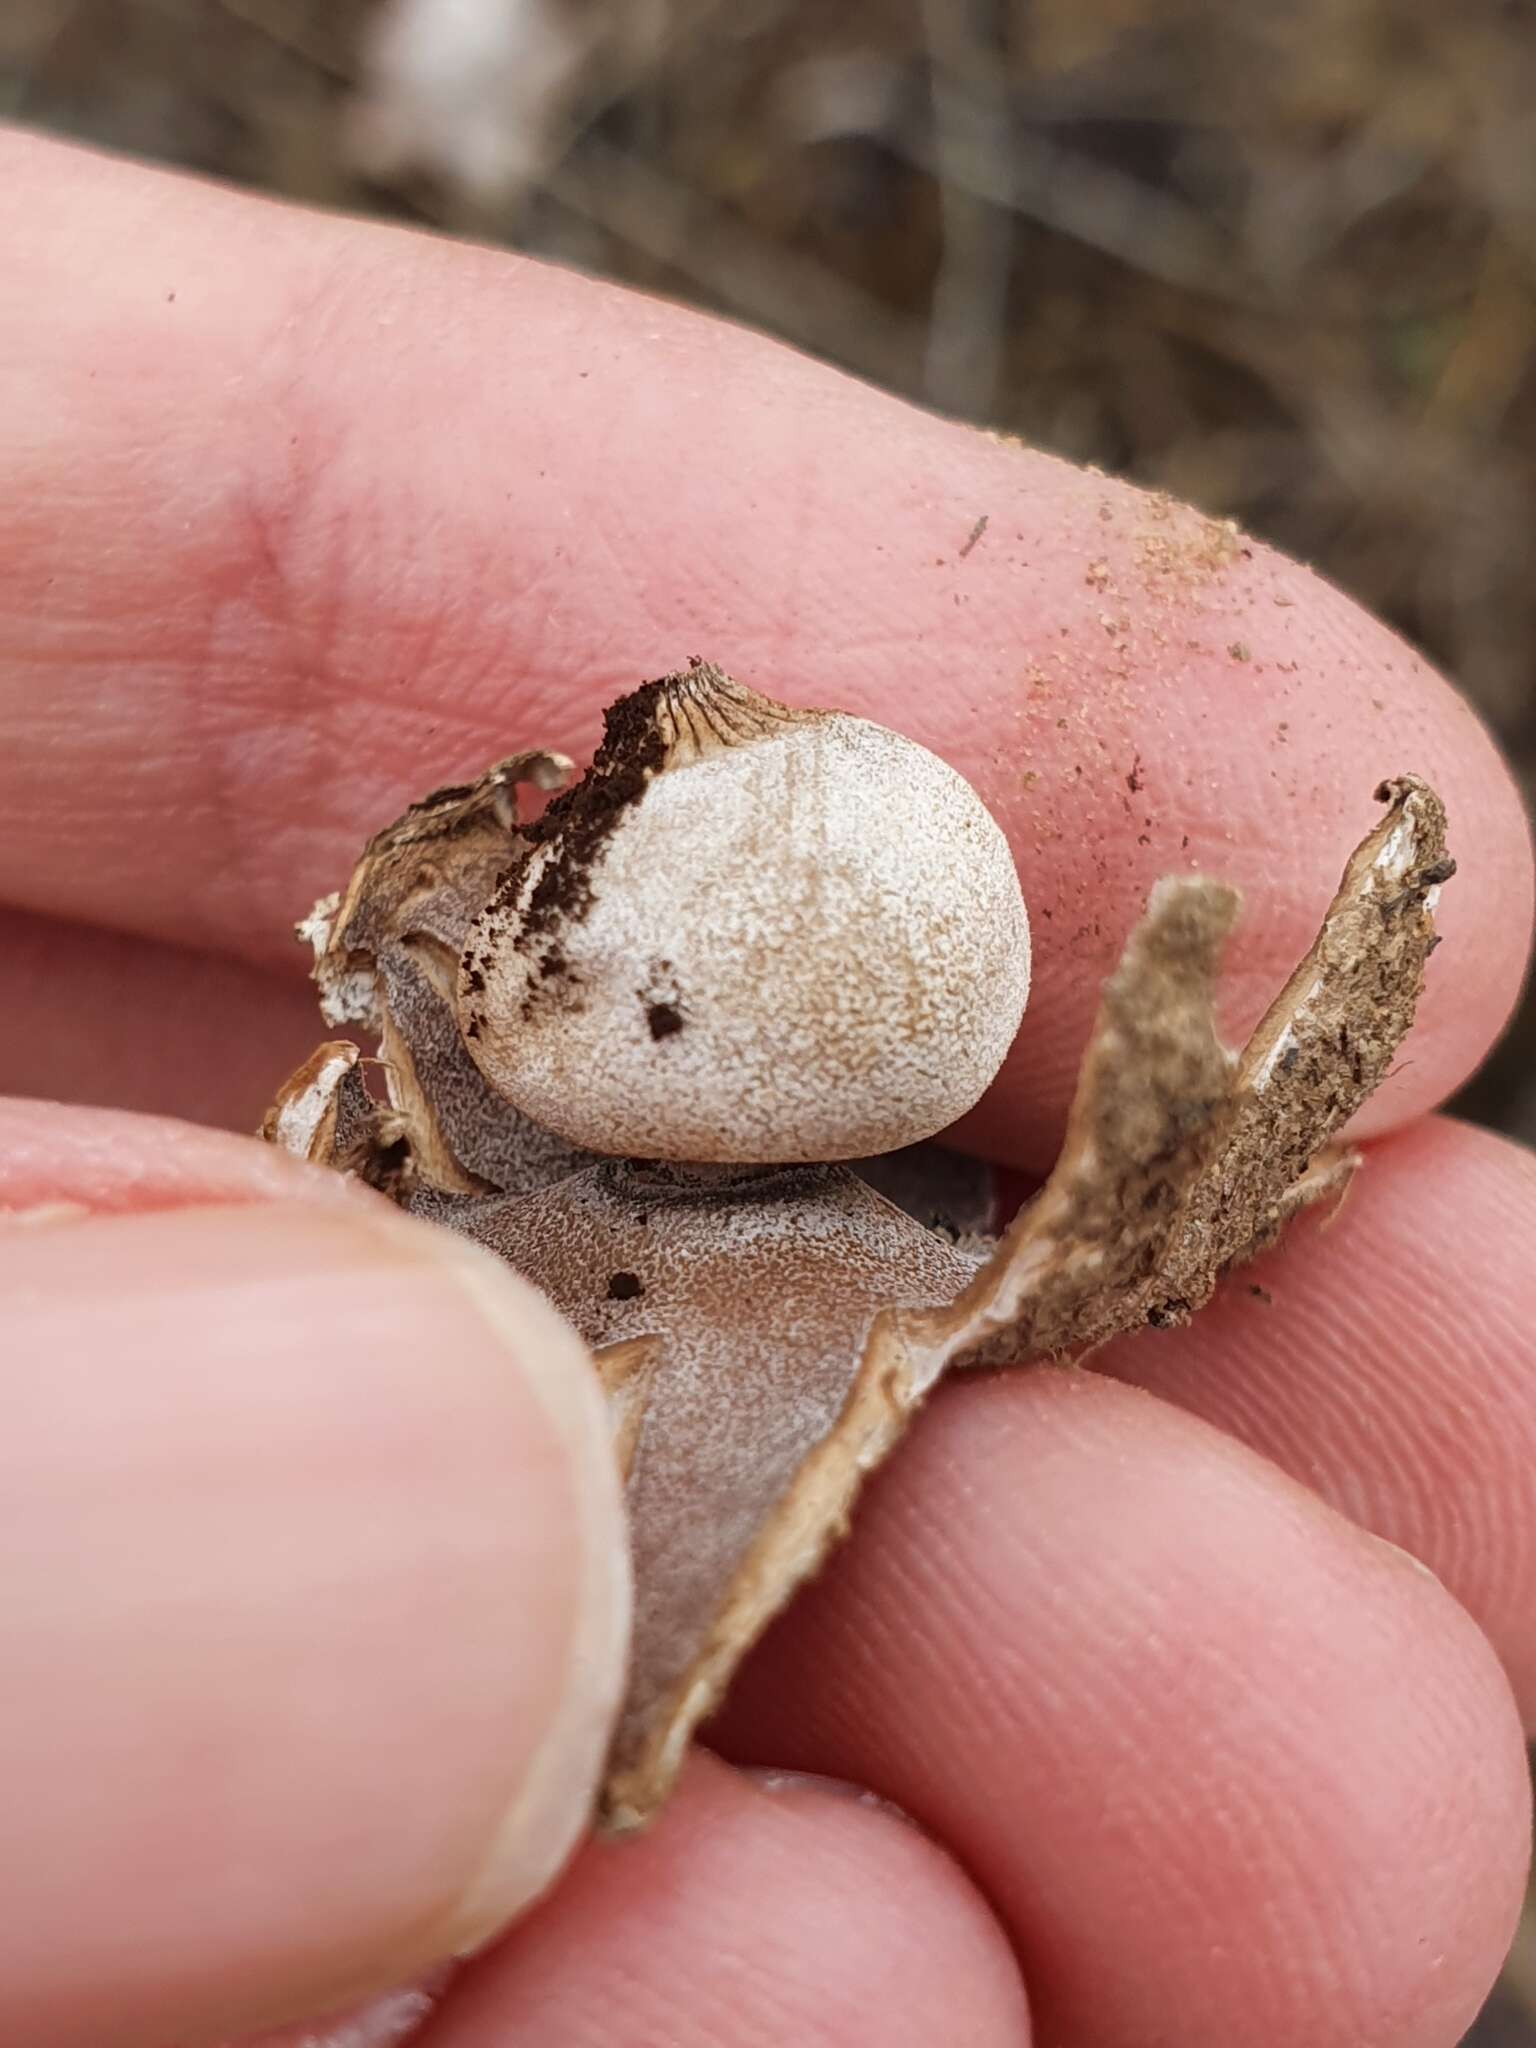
[
  {"x": 764, "y": 1335},
  {"x": 387, "y": 957},
  {"x": 1323, "y": 1045}
]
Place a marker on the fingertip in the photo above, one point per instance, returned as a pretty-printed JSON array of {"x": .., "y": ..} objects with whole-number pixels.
[
  {"x": 1340, "y": 1759},
  {"x": 318, "y": 1618},
  {"x": 1211, "y": 1751},
  {"x": 1385, "y": 1357},
  {"x": 120, "y": 1162},
  {"x": 749, "y": 1915}
]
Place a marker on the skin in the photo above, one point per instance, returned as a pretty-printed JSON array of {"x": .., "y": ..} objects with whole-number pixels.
[{"x": 301, "y": 516}]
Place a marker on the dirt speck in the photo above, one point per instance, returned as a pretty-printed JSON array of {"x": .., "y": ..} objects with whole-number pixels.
[
  {"x": 1181, "y": 552},
  {"x": 975, "y": 535}
]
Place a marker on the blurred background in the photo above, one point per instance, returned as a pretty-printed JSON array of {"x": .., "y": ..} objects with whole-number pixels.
[{"x": 1277, "y": 260}]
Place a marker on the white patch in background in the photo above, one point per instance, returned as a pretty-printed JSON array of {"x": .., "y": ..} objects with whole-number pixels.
[{"x": 470, "y": 89}]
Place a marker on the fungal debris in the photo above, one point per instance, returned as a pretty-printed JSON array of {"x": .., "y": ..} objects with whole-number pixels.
[{"x": 642, "y": 1046}]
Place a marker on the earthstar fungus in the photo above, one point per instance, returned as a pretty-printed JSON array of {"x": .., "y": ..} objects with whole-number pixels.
[{"x": 632, "y": 1046}]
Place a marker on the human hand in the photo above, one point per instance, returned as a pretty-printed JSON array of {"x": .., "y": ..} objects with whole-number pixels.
[{"x": 301, "y": 516}]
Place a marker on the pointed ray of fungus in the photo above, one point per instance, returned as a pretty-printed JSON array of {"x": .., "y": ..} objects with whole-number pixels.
[
  {"x": 625, "y": 1371},
  {"x": 303, "y": 1117},
  {"x": 324, "y": 1113},
  {"x": 1323, "y": 1045}
]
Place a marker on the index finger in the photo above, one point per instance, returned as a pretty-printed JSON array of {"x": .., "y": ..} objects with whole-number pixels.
[{"x": 305, "y": 516}]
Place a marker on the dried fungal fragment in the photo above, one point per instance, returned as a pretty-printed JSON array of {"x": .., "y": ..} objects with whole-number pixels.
[
  {"x": 306, "y": 1119},
  {"x": 629, "y": 1047},
  {"x": 387, "y": 950},
  {"x": 1324, "y": 1043}
]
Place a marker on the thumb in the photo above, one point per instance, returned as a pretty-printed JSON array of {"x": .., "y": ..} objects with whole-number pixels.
[{"x": 315, "y": 1601}]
